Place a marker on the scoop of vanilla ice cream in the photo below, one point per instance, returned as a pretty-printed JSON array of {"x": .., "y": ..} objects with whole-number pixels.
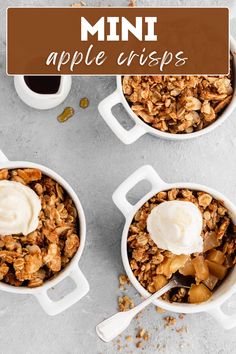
[
  {"x": 176, "y": 226},
  {"x": 19, "y": 208}
]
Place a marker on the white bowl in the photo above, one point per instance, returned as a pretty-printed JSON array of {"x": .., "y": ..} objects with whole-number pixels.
[
  {"x": 42, "y": 101},
  {"x": 71, "y": 270},
  {"x": 140, "y": 128},
  {"x": 228, "y": 286}
]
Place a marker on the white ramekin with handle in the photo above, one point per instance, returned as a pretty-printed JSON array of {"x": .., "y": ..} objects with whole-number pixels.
[
  {"x": 228, "y": 287},
  {"x": 140, "y": 128},
  {"x": 71, "y": 270}
]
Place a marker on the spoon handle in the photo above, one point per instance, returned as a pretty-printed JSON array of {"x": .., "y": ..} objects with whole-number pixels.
[{"x": 116, "y": 324}]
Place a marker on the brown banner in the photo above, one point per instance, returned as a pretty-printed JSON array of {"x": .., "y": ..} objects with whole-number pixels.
[{"x": 98, "y": 41}]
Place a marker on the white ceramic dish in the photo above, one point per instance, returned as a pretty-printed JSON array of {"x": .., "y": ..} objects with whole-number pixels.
[
  {"x": 71, "y": 270},
  {"x": 140, "y": 128},
  {"x": 42, "y": 101},
  {"x": 214, "y": 305}
]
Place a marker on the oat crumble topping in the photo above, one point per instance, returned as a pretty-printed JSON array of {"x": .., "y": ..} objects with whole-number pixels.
[
  {"x": 178, "y": 104},
  {"x": 30, "y": 260}
]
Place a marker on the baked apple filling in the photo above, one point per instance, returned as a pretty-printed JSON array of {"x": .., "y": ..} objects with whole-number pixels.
[{"x": 154, "y": 266}]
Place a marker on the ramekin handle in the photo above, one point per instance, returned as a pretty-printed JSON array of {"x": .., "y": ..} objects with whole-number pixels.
[
  {"x": 105, "y": 109},
  {"x": 55, "y": 307},
  {"x": 145, "y": 172},
  {"x": 226, "y": 321},
  {"x": 3, "y": 157}
]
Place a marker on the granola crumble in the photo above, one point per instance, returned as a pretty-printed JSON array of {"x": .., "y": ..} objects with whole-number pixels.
[
  {"x": 123, "y": 281},
  {"x": 80, "y": 4},
  {"x": 169, "y": 321},
  {"x": 132, "y": 3},
  {"x": 32, "y": 259},
  {"x": 125, "y": 303},
  {"x": 139, "y": 344},
  {"x": 160, "y": 310},
  {"x": 143, "y": 334},
  {"x": 178, "y": 104},
  {"x": 153, "y": 267},
  {"x": 182, "y": 329},
  {"x": 129, "y": 338}
]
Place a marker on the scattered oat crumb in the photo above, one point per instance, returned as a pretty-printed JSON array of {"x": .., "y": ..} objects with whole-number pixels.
[
  {"x": 129, "y": 338},
  {"x": 123, "y": 280},
  {"x": 160, "y": 310},
  {"x": 181, "y": 329},
  {"x": 133, "y": 3},
  {"x": 142, "y": 333},
  {"x": 125, "y": 303},
  {"x": 80, "y": 4},
  {"x": 137, "y": 317},
  {"x": 169, "y": 321},
  {"x": 146, "y": 336},
  {"x": 139, "y": 345},
  {"x": 181, "y": 316}
]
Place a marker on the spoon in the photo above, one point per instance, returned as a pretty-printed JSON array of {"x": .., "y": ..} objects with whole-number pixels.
[{"x": 116, "y": 324}]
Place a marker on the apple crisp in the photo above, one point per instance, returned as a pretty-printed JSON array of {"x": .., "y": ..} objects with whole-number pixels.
[
  {"x": 178, "y": 104},
  {"x": 32, "y": 259},
  {"x": 153, "y": 267}
]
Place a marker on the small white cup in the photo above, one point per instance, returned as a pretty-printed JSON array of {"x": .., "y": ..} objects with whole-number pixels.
[
  {"x": 228, "y": 287},
  {"x": 71, "y": 270},
  {"x": 42, "y": 101}
]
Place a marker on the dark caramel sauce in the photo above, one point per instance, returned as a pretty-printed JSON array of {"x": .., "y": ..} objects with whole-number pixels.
[{"x": 46, "y": 85}]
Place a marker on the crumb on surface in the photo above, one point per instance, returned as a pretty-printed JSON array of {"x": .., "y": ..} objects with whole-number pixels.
[
  {"x": 125, "y": 303},
  {"x": 181, "y": 329},
  {"x": 139, "y": 344},
  {"x": 132, "y": 3},
  {"x": 129, "y": 338},
  {"x": 80, "y": 4},
  {"x": 123, "y": 281},
  {"x": 169, "y": 321},
  {"x": 160, "y": 309}
]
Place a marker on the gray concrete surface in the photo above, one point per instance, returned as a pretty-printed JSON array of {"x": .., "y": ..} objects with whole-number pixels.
[{"x": 90, "y": 157}]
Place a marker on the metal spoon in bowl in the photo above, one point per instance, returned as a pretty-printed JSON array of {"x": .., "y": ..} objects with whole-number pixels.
[{"x": 116, "y": 324}]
